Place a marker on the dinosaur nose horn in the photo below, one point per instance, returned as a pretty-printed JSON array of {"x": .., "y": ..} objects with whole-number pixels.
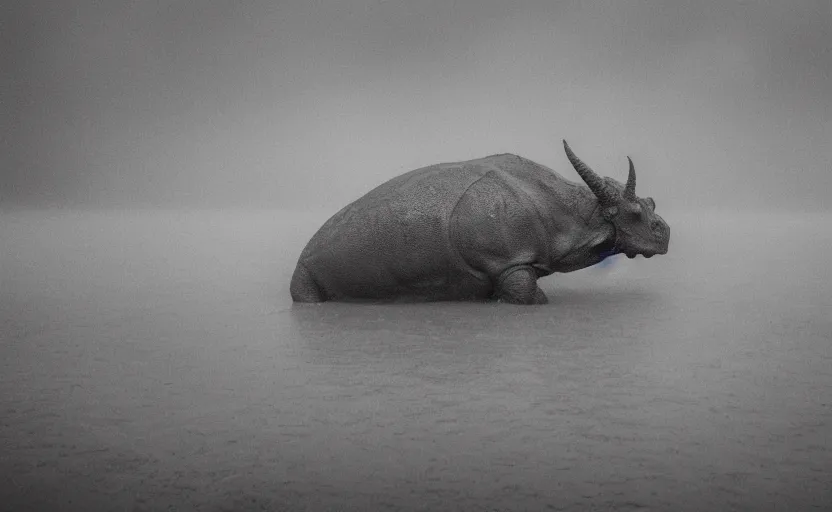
[
  {"x": 593, "y": 181},
  {"x": 630, "y": 189}
]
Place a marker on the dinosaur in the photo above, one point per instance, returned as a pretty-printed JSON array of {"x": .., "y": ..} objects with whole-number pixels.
[{"x": 484, "y": 229}]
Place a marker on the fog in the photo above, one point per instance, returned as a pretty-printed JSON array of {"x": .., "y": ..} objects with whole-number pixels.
[
  {"x": 307, "y": 105},
  {"x": 163, "y": 164}
]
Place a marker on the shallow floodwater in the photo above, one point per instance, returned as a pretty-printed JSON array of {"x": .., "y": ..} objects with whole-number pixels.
[{"x": 154, "y": 361}]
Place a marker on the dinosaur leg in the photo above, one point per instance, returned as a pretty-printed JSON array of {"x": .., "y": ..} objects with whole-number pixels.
[
  {"x": 518, "y": 285},
  {"x": 303, "y": 287}
]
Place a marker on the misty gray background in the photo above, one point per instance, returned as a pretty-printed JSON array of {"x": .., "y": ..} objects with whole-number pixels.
[
  {"x": 300, "y": 104},
  {"x": 151, "y": 358}
]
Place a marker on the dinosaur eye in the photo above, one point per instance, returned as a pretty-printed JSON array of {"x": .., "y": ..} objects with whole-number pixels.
[{"x": 650, "y": 202}]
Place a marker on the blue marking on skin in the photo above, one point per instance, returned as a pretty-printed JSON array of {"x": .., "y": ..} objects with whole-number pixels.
[{"x": 606, "y": 261}]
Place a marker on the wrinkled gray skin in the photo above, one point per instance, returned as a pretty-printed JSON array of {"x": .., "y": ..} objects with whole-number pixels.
[{"x": 475, "y": 230}]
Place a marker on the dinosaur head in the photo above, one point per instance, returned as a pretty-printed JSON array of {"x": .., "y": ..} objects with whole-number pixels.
[{"x": 638, "y": 230}]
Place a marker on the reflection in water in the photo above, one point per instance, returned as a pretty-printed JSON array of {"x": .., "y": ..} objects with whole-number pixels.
[{"x": 155, "y": 360}]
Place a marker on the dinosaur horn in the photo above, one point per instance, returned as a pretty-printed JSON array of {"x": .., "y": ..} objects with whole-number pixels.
[
  {"x": 595, "y": 182},
  {"x": 630, "y": 189}
]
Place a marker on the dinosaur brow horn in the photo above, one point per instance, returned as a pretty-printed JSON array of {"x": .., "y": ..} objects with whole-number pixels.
[
  {"x": 593, "y": 181},
  {"x": 630, "y": 188}
]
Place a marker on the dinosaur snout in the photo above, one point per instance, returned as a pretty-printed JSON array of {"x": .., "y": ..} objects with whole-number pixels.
[
  {"x": 661, "y": 231},
  {"x": 657, "y": 228}
]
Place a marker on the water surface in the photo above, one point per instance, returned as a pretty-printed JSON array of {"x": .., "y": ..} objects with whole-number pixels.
[{"x": 152, "y": 360}]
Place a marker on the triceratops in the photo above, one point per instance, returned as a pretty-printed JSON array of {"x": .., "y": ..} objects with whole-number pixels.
[{"x": 475, "y": 230}]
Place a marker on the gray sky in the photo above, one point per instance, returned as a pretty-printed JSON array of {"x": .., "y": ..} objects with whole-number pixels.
[{"x": 309, "y": 104}]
